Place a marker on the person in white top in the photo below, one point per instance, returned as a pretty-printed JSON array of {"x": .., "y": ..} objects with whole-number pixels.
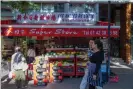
[
  {"x": 84, "y": 83},
  {"x": 19, "y": 66},
  {"x": 31, "y": 55}
]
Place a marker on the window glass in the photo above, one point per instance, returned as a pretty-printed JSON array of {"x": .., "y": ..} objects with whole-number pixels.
[
  {"x": 48, "y": 8},
  {"x": 59, "y": 7},
  {"x": 81, "y": 8}
]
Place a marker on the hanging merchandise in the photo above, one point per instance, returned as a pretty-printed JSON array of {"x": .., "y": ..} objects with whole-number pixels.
[
  {"x": 57, "y": 73},
  {"x": 41, "y": 71}
]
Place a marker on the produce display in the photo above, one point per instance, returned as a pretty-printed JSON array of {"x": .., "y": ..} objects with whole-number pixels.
[
  {"x": 40, "y": 71},
  {"x": 57, "y": 72},
  {"x": 63, "y": 54},
  {"x": 72, "y": 60}
]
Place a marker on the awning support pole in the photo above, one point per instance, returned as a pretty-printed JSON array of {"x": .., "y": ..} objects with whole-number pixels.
[{"x": 108, "y": 61}]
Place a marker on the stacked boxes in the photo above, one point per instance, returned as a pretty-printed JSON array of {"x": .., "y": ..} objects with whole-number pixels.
[{"x": 41, "y": 73}]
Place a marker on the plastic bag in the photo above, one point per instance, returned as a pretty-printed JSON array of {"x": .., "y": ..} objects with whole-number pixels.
[{"x": 11, "y": 75}]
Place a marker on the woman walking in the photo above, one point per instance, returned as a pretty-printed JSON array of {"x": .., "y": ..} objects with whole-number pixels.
[{"x": 94, "y": 66}]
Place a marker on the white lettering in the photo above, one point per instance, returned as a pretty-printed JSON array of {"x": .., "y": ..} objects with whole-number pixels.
[
  {"x": 86, "y": 32},
  {"x": 16, "y": 32},
  {"x": 32, "y": 31},
  {"x": 104, "y": 32},
  {"x": 22, "y": 31},
  {"x": 58, "y": 31},
  {"x": 97, "y": 32},
  {"x": 61, "y": 31},
  {"x": 115, "y": 33}
]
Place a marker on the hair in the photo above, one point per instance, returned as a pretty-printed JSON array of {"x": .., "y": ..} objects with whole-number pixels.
[
  {"x": 17, "y": 49},
  {"x": 99, "y": 44},
  {"x": 91, "y": 39}
]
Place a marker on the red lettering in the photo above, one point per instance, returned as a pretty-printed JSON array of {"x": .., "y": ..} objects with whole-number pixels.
[
  {"x": 53, "y": 17},
  {"x": 42, "y": 17},
  {"x": 31, "y": 17},
  {"x": 25, "y": 17},
  {"x": 36, "y": 17},
  {"x": 19, "y": 17},
  {"x": 48, "y": 17}
]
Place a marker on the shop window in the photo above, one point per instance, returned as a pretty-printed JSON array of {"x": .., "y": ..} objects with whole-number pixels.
[
  {"x": 59, "y": 7},
  {"x": 81, "y": 8},
  {"x": 48, "y": 8},
  {"x": 89, "y": 8}
]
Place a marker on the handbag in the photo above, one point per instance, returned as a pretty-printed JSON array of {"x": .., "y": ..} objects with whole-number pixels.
[{"x": 98, "y": 87}]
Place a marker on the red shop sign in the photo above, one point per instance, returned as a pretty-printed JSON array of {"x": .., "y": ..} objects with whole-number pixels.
[{"x": 64, "y": 32}]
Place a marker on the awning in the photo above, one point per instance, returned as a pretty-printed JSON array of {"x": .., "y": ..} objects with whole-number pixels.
[
  {"x": 59, "y": 30},
  {"x": 89, "y": 1}
]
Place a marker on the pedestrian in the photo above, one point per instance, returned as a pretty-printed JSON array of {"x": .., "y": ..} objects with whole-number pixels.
[
  {"x": 94, "y": 67},
  {"x": 84, "y": 83},
  {"x": 19, "y": 66},
  {"x": 31, "y": 55}
]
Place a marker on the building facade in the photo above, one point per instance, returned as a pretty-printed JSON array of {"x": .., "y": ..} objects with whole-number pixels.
[{"x": 120, "y": 16}]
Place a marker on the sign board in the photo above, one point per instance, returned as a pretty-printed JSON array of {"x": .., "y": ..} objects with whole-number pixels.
[
  {"x": 60, "y": 32},
  {"x": 57, "y": 18},
  {"x": 95, "y": 1}
]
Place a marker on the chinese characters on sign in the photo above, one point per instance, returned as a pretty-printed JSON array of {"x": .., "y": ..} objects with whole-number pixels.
[
  {"x": 52, "y": 18},
  {"x": 66, "y": 32}
]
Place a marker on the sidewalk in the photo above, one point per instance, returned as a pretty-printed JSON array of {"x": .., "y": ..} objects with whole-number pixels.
[{"x": 124, "y": 72}]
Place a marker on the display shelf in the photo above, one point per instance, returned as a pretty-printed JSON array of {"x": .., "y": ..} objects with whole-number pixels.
[
  {"x": 59, "y": 59},
  {"x": 81, "y": 48},
  {"x": 80, "y": 74},
  {"x": 59, "y": 49},
  {"x": 80, "y": 70},
  {"x": 68, "y": 70},
  {"x": 70, "y": 56},
  {"x": 64, "y": 54}
]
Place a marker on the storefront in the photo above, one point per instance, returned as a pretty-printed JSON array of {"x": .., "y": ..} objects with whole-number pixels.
[{"x": 64, "y": 35}]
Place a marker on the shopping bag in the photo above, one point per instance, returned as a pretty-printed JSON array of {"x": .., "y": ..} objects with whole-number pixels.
[
  {"x": 11, "y": 75},
  {"x": 98, "y": 87}
]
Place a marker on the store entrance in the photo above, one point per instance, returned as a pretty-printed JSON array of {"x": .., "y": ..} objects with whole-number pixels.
[{"x": 65, "y": 56}]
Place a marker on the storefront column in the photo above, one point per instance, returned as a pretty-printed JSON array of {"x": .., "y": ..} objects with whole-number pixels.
[
  {"x": 66, "y": 5},
  {"x": 125, "y": 32},
  {"x": 97, "y": 11}
]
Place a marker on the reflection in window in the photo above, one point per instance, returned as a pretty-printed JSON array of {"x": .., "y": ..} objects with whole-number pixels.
[
  {"x": 81, "y": 8},
  {"x": 59, "y": 7},
  {"x": 47, "y": 8}
]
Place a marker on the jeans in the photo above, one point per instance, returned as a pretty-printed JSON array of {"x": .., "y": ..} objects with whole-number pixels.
[{"x": 84, "y": 82}]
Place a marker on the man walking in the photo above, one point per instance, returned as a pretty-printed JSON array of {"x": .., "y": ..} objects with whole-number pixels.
[{"x": 19, "y": 66}]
